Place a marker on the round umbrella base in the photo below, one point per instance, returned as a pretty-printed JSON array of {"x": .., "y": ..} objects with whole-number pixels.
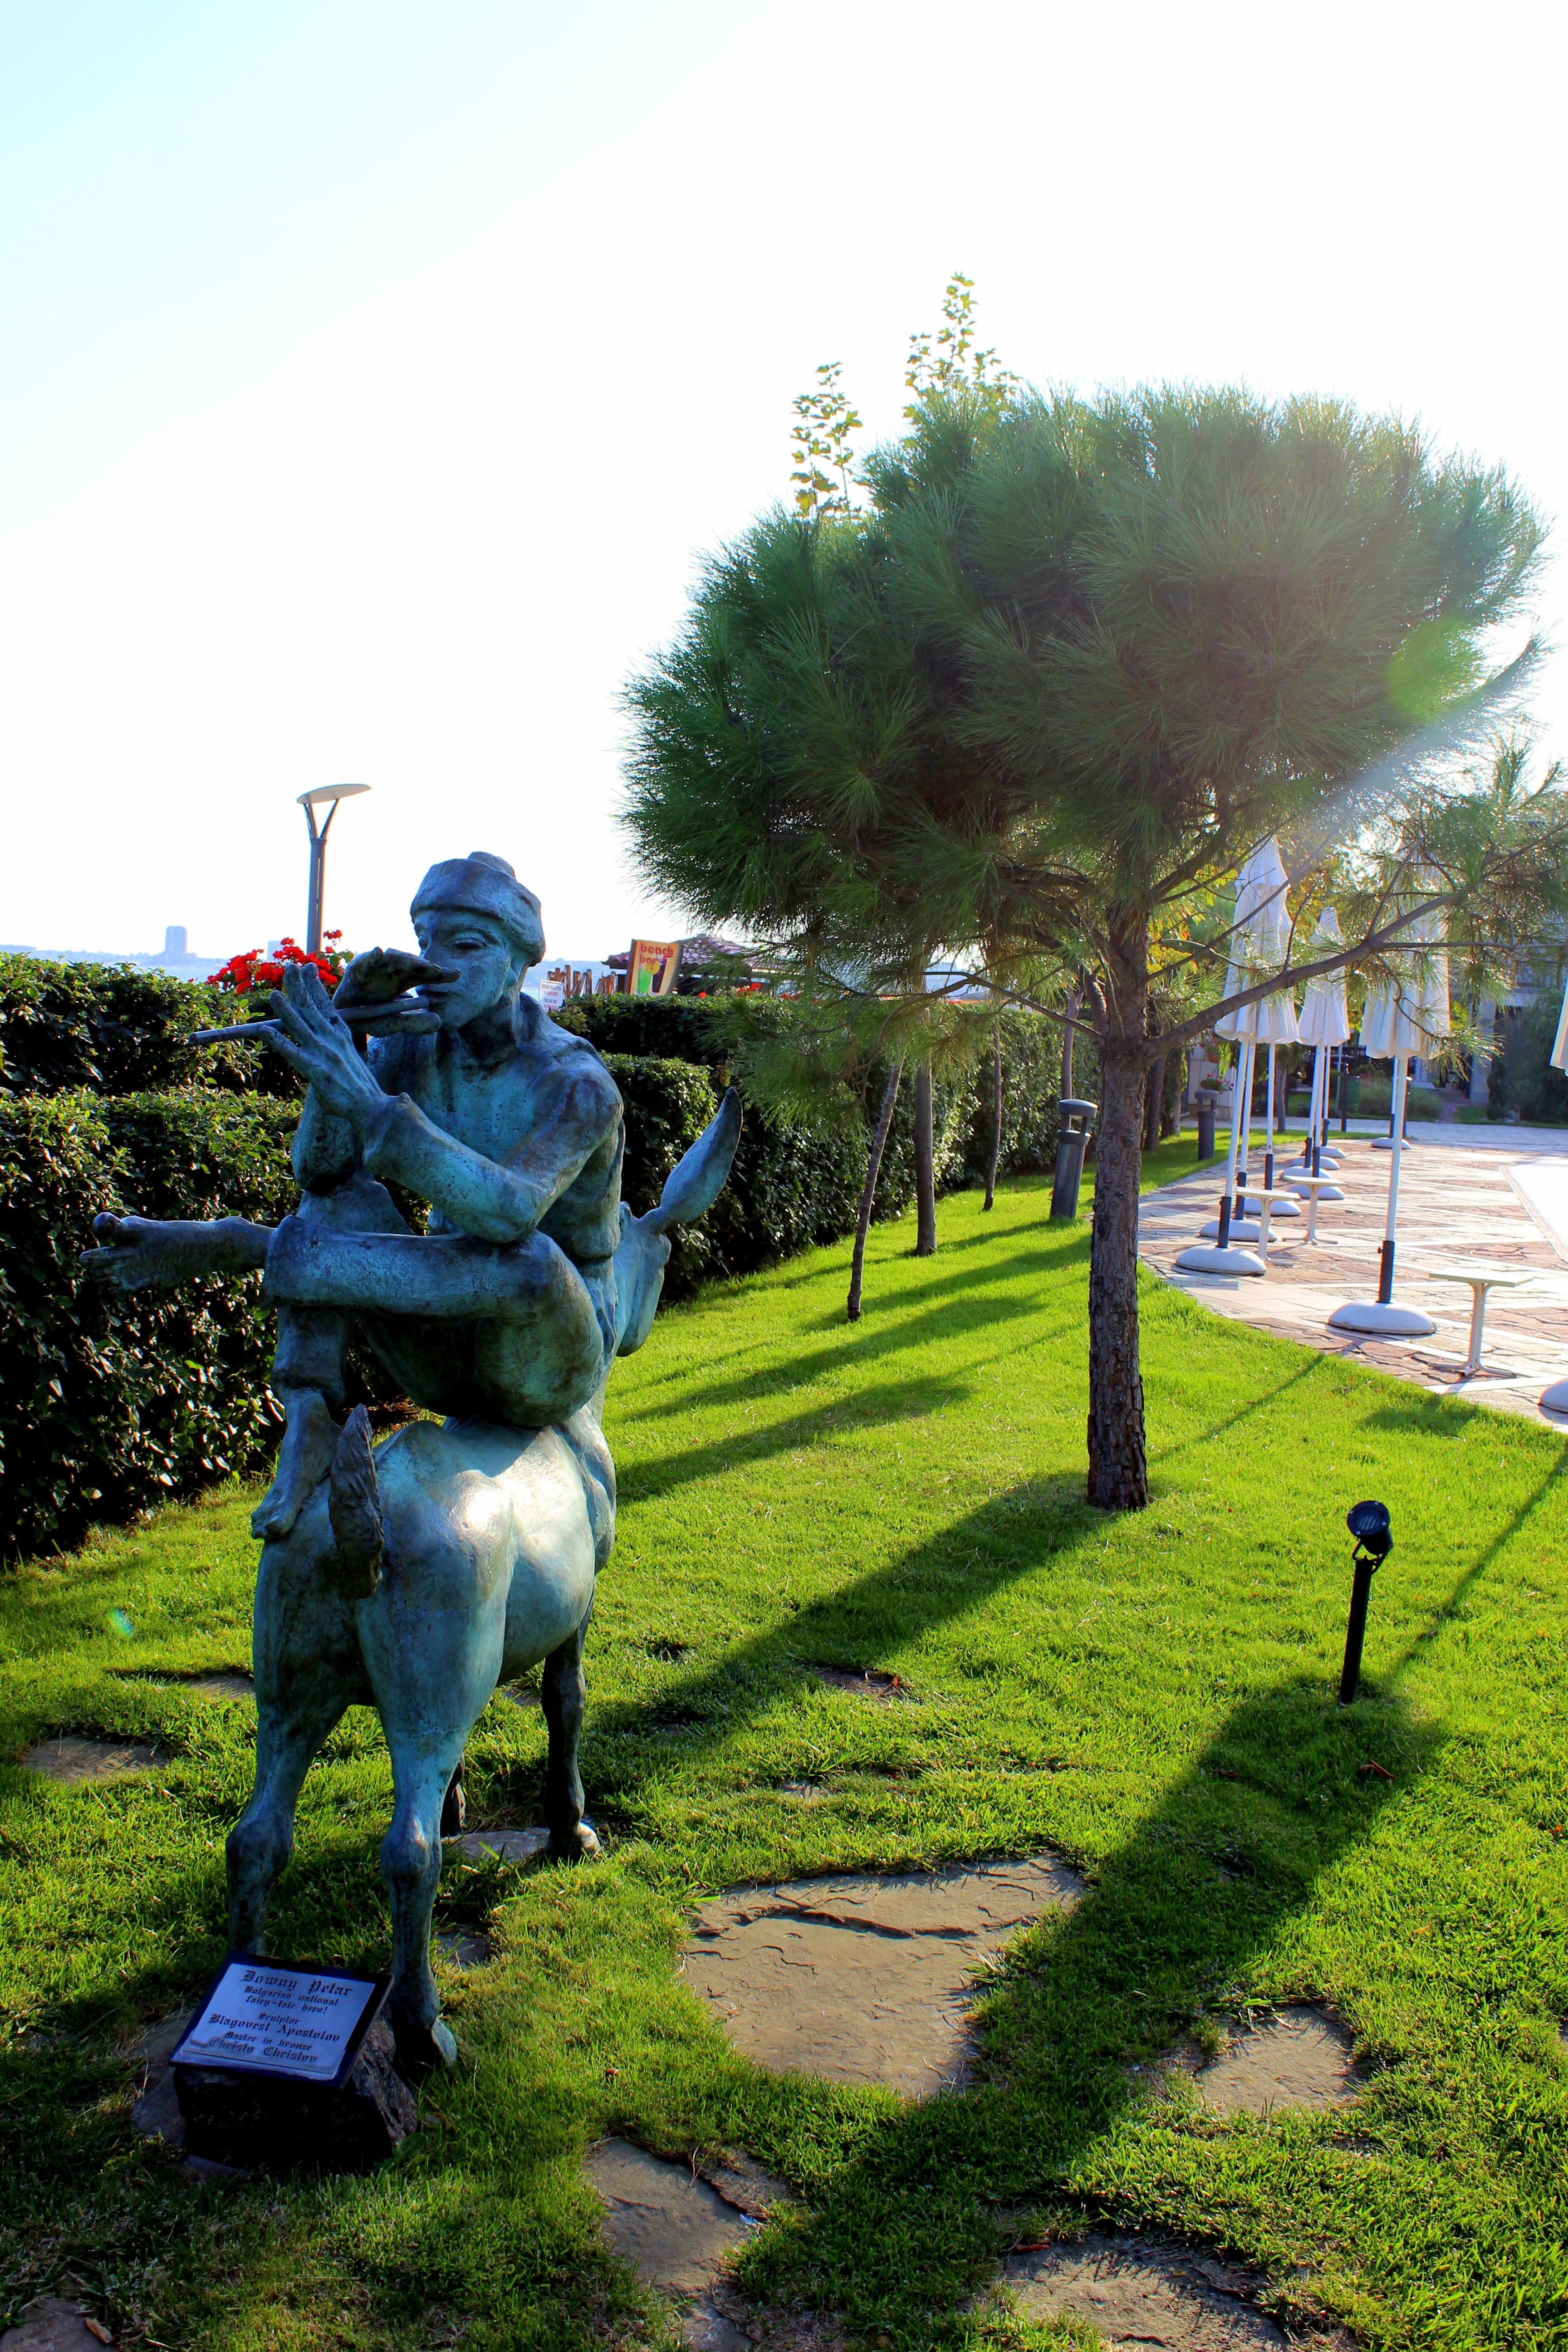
[
  {"x": 1325, "y": 1193},
  {"x": 1552, "y": 1400},
  {"x": 1242, "y": 1229},
  {"x": 1388, "y": 1322},
  {"x": 1385, "y": 1143},
  {"x": 1220, "y": 1261},
  {"x": 1281, "y": 1208}
]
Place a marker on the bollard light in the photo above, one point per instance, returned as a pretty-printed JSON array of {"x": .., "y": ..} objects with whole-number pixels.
[{"x": 1368, "y": 1522}]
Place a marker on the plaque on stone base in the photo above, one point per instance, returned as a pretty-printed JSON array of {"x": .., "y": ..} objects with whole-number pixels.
[
  {"x": 263, "y": 2017},
  {"x": 286, "y": 2066}
]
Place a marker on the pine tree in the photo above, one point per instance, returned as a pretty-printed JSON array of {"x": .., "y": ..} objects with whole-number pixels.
[{"x": 1040, "y": 697}]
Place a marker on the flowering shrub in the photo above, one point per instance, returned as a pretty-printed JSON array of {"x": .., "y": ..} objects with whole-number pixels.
[{"x": 252, "y": 970}]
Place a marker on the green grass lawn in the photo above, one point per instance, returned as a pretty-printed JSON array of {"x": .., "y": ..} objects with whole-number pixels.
[{"x": 1153, "y": 1696}]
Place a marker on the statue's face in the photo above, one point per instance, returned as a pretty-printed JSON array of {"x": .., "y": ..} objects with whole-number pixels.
[{"x": 487, "y": 964}]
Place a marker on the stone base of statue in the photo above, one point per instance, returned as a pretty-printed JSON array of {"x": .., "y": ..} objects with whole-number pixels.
[{"x": 262, "y": 2123}]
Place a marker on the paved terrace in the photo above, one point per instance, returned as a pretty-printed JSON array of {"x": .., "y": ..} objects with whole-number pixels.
[{"x": 1467, "y": 1196}]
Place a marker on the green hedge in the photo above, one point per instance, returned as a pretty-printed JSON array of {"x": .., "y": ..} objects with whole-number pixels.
[
  {"x": 122, "y": 1031},
  {"x": 1521, "y": 1077},
  {"x": 680, "y": 1028},
  {"x": 110, "y": 1406}
]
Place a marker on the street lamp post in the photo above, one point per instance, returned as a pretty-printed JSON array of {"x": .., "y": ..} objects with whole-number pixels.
[{"x": 327, "y": 796}]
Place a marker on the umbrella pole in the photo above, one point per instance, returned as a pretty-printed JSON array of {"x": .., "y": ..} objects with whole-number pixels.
[
  {"x": 1230, "y": 1152},
  {"x": 1249, "y": 1063},
  {"x": 1268, "y": 1126},
  {"x": 1385, "y": 1277},
  {"x": 1320, "y": 1055}
]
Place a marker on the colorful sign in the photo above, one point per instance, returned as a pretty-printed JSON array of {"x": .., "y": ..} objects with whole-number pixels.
[{"x": 653, "y": 967}]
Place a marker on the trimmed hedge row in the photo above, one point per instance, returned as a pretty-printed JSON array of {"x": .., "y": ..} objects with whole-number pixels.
[
  {"x": 122, "y": 1032},
  {"x": 108, "y": 1406}
]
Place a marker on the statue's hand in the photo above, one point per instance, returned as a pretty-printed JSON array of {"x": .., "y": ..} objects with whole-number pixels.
[
  {"x": 321, "y": 1047},
  {"x": 129, "y": 1255},
  {"x": 378, "y": 974}
]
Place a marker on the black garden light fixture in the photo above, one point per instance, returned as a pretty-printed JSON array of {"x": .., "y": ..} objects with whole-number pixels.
[{"x": 1368, "y": 1522}]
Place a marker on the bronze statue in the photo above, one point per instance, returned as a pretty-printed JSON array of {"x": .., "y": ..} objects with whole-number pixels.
[{"x": 417, "y": 1575}]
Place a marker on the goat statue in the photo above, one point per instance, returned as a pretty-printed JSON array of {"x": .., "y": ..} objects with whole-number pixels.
[{"x": 417, "y": 1574}]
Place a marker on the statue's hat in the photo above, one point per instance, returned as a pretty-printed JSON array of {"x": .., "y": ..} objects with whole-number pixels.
[{"x": 482, "y": 885}]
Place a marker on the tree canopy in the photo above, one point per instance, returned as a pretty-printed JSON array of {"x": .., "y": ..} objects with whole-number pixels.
[{"x": 1037, "y": 699}]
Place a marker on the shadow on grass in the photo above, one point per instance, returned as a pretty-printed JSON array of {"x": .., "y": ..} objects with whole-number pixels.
[
  {"x": 1479, "y": 1565},
  {"x": 946, "y": 1309},
  {"x": 1198, "y": 1891},
  {"x": 1309, "y": 1370},
  {"x": 864, "y": 1624}
]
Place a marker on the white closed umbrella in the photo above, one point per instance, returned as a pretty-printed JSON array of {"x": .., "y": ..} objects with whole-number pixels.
[
  {"x": 1407, "y": 1014},
  {"x": 1257, "y": 948},
  {"x": 1324, "y": 1022}
]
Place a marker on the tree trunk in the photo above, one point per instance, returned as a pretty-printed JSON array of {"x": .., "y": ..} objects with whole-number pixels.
[
  {"x": 1118, "y": 1470},
  {"x": 1155, "y": 1093},
  {"x": 873, "y": 1170},
  {"x": 995, "y": 1126},
  {"x": 1074, "y": 1001},
  {"x": 925, "y": 1166}
]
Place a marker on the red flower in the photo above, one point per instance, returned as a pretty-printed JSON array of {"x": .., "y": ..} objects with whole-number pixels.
[{"x": 243, "y": 972}]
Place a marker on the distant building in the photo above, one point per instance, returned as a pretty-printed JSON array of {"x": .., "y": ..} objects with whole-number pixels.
[{"x": 174, "y": 956}]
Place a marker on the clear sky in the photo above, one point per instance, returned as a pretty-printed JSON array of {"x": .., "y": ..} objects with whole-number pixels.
[{"x": 371, "y": 376}]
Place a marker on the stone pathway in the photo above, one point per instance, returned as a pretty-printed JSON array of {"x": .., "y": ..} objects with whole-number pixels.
[
  {"x": 49, "y": 2325},
  {"x": 677, "y": 2229},
  {"x": 1460, "y": 1202},
  {"x": 866, "y": 1979},
  {"x": 507, "y": 1846},
  {"x": 1139, "y": 2291},
  {"x": 72, "y": 1759},
  {"x": 461, "y": 1949},
  {"x": 228, "y": 1683},
  {"x": 1302, "y": 2056},
  {"x": 871, "y": 1682}
]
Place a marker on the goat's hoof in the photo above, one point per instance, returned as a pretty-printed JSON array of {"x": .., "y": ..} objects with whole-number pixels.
[
  {"x": 578, "y": 1843},
  {"x": 421, "y": 2049}
]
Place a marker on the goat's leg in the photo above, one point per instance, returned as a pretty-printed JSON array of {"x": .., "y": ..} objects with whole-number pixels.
[
  {"x": 308, "y": 1670},
  {"x": 411, "y": 1862},
  {"x": 262, "y": 1840},
  {"x": 433, "y": 1637},
  {"x": 562, "y": 1694}
]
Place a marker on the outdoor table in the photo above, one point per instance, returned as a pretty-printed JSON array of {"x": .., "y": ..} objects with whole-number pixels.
[
  {"x": 1316, "y": 1187},
  {"x": 1481, "y": 1279},
  {"x": 1300, "y": 1179},
  {"x": 1265, "y": 1203}
]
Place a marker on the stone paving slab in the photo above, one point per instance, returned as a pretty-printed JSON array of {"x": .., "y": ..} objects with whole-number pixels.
[
  {"x": 461, "y": 1949},
  {"x": 72, "y": 1759},
  {"x": 49, "y": 2325},
  {"x": 1458, "y": 1206},
  {"x": 507, "y": 1846},
  {"x": 1140, "y": 2291},
  {"x": 867, "y": 1978},
  {"x": 678, "y": 2228},
  {"x": 1300, "y": 2057}
]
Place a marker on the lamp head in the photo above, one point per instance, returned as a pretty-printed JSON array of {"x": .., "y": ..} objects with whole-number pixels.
[
  {"x": 1368, "y": 1522},
  {"x": 324, "y": 792}
]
